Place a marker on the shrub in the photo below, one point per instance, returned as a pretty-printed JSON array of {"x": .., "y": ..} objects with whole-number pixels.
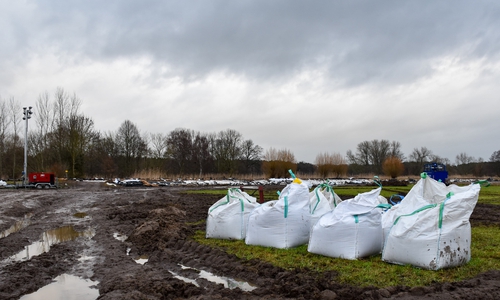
[
  {"x": 277, "y": 163},
  {"x": 393, "y": 167},
  {"x": 331, "y": 165}
]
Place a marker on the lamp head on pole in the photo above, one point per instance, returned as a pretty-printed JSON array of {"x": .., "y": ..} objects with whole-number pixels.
[{"x": 27, "y": 112}]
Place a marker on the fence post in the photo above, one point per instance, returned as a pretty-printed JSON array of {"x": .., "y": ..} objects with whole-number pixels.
[{"x": 261, "y": 194}]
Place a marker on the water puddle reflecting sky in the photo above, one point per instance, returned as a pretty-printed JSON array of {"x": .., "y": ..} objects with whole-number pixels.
[
  {"x": 228, "y": 283},
  {"x": 185, "y": 279},
  {"x": 142, "y": 259},
  {"x": 17, "y": 226},
  {"x": 122, "y": 238},
  {"x": 119, "y": 237},
  {"x": 49, "y": 238},
  {"x": 66, "y": 287}
]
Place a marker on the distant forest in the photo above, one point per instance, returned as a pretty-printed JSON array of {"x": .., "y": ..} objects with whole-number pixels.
[{"x": 63, "y": 140}]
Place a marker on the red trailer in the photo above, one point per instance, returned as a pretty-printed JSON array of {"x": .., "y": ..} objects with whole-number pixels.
[{"x": 42, "y": 180}]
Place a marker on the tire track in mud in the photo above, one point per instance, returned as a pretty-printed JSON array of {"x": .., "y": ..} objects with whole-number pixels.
[
  {"x": 49, "y": 210},
  {"x": 157, "y": 224},
  {"x": 164, "y": 235}
]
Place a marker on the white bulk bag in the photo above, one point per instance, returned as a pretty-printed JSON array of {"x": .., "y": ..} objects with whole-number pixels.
[
  {"x": 228, "y": 217},
  {"x": 282, "y": 223},
  {"x": 322, "y": 200},
  {"x": 432, "y": 229},
  {"x": 352, "y": 230},
  {"x": 390, "y": 215}
]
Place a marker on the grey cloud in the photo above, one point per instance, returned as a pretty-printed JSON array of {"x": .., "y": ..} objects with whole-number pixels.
[{"x": 355, "y": 41}]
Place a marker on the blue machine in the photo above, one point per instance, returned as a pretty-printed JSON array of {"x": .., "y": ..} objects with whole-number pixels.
[{"x": 436, "y": 171}]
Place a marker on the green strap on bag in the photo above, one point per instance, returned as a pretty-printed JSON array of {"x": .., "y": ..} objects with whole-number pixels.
[
  {"x": 385, "y": 206},
  {"x": 329, "y": 189},
  {"x": 441, "y": 210},
  {"x": 415, "y": 212},
  {"x": 484, "y": 183},
  {"x": 286, "y": 206},
  {"x": 242, "y": 204}
]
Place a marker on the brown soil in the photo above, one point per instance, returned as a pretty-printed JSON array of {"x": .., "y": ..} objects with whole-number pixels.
[{"x": 158, "y": 223}]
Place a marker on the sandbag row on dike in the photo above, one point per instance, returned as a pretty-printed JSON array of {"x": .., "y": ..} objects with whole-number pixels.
[
  {"x": 430, "y": 229},
  {"x": 286, "y": 217}
]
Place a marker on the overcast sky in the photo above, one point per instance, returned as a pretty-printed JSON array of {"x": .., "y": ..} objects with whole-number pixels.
[{"x": 307, "y": 76}]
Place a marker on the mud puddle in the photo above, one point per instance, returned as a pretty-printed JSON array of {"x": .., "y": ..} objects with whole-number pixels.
[
  {"x": 80, "y": 215},
  {"x": 178, "y": 215},
  {"x": 122, "y": 238},
  {"x": 48, "y": 239},
  {"x": 142, "y": 259},
  {"x": 17, "y": 226},
  {"x": 66, "y": 287},
  {"x": 229, "y": 283},
  {"x": 119, "y": 237}
]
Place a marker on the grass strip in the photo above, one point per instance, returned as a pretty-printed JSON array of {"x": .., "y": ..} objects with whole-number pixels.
[
  {"x": 371, "y": 271},
  {"x": 487, "y": 195}
]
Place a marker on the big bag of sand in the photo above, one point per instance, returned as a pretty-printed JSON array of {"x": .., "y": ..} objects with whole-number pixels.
[{"x": 431, "y": 229}]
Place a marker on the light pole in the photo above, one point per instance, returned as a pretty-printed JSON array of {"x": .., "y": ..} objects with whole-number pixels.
[{"x": 27, "y": 115}]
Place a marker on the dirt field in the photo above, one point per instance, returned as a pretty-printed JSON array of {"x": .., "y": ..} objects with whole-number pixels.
[{"x": 112, "y": 228}]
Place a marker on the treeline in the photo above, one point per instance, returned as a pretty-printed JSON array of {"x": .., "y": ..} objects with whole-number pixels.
[
  {"x": 66, "y": 142},
  {"x": 385, "y": 157},
  {"x": 63, "y": 140}
]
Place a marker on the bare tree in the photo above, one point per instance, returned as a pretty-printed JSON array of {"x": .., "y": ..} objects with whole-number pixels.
[
  {"x": 395, "y": 150},
  {"x": 131, "y": 146},
  {"x": 226, "y": 149},
  {"x": 331, "y": 164},
  {"x": 80, "y": 131},
  {"x": 158, "y": 143},
  {"x": 373, "y": 153},
  {"x": 463, "y": 163},
  {"x": 201, "y": 150},
  {"x": 271, "y": 154},
  {"x": 250, "y": 155},
  {"x": 180, "y": 147},
  {"x": 4, "y": 126},
  {"x": 286, "y": 155},
  {"x": 379, "y": 151},
  {"x": 277, "y": 162},
  {"x": 495, "y": 156},
  {"x": 463, "y": 159},
  {"x": 103, "y": 155},
  {"x": 64, "y": 106},
  {"x": 439, "y": 159},
  {"x": 40, "y": 141},
  {"x": 421, "y": 155},
  {"x": 15, "y": 119},
  {"x": 362, "y": 155}
]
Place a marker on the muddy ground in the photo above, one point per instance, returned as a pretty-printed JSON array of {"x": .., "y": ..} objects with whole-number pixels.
[{"x": 156, "y": 223}]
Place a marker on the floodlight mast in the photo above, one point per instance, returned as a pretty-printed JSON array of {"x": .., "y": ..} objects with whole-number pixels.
[{"x": 27, "y": 115}]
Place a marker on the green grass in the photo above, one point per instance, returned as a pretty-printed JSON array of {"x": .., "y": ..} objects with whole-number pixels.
[
  {"x": 352, "y": 191},
  {"x": 488, "y": 195},
  {"x": 347, "y": 191},
  {"x": 268, "y": 194},
  {"x": 373, "y": 271}
]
